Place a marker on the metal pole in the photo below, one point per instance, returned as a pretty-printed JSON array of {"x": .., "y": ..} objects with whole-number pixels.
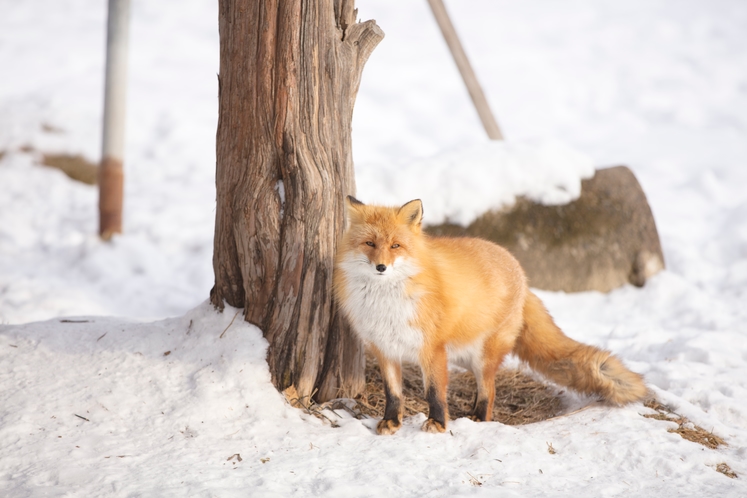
[
  {"x": 465, "y": 68},
  {"x": 111, "y": 175}
]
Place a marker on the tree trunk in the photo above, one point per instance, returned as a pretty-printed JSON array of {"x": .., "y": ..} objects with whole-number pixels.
[{"x": 289, "y": 74}]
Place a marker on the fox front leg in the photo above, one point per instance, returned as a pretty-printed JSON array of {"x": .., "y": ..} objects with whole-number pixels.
[
  {"x": 436, "y": 379},
  {"x": 391, "y": 374}
]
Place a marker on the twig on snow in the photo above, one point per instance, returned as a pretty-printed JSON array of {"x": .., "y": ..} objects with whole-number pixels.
[{"x": 229, "y": 325}]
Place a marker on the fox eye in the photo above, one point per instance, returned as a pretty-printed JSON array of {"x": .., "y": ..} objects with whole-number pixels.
[
  {"x": 369, "y": 243},
  {"x": 394, "y": 246}
]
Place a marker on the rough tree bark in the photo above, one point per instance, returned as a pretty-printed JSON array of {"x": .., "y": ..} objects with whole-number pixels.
[{"x": 289, "y": 74}]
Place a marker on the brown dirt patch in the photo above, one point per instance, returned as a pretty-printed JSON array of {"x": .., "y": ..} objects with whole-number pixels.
[
  {"x": 685, "y": 428},
  {"x": 519, "y": 399},
  {"x": 76, "y": 167}
]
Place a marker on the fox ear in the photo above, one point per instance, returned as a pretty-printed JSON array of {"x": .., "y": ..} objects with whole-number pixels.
[
  {"x": 353, "y": 207},
  {"x": 412, "y": 213},
  {"x": 352, "y": 201}
]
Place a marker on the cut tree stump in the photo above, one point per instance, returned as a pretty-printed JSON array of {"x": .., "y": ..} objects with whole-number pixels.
[
  {"x": 289, "y": 74},
  {"x": 603, "y": 240}
]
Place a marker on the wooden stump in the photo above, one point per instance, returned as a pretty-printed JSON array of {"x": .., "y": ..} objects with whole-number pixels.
[{"x": 289, "y": 74}]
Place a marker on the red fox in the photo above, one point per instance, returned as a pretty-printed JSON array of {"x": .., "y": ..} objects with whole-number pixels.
[{"x": 412, "y": 297}]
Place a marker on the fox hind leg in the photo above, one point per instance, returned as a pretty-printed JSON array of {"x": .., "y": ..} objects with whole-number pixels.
[
  {"x": 482, "y": 410},
  {"x": 484, "y": 370}
]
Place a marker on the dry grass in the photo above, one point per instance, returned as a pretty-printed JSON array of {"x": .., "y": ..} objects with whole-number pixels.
[
  {"x": 685, "y": 428},
  {"x": 519, "y": 399},
  {"x": 76, "y": 167},
  {"x": 50, "y": 128},
  {"x": 726, "y": 470},
  {"x": 307, "y": 404}
]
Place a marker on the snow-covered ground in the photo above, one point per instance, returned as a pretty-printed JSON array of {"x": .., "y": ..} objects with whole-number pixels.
[{"x": 135, "y": 393}]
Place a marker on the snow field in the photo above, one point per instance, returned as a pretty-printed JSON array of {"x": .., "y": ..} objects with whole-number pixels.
[{"x": 660, "y": 86}]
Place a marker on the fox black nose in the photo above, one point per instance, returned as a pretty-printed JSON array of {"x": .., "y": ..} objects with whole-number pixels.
[{"x": 381, "y": 268}]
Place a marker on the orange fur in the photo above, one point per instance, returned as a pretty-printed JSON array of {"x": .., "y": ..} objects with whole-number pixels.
[{"x": 412, "y": 297}]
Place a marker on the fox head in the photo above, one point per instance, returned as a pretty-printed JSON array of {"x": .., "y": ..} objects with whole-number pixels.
[{"x": 382, "y": 241}]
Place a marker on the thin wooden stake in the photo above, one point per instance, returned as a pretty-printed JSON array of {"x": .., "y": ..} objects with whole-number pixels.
[{"x": 465, "y": 68}]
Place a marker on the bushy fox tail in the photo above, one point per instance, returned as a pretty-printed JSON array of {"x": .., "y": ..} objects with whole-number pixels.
[{"x": 583, "y": 368}]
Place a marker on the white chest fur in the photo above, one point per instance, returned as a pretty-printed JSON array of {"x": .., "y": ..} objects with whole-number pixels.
[{"x": 380, "y": 311}]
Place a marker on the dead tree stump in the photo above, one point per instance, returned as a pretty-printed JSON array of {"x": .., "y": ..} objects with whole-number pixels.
[{"x": 289, "y": 74}]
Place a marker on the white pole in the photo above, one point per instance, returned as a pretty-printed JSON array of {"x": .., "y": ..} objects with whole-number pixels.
[{"x": 111, "y": 175}]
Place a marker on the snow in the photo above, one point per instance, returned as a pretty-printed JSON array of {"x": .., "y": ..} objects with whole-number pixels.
[
  {"x": 170, "y": 391},
  {"x": 458, "y": 185}
]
